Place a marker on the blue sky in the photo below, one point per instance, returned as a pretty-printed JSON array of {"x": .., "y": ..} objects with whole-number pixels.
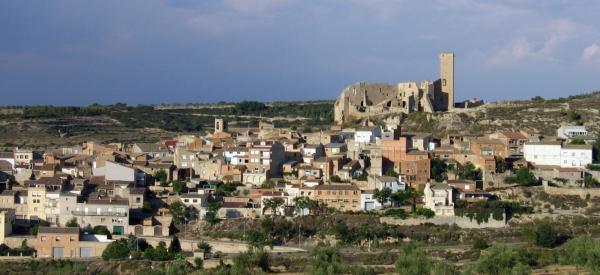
[{"x": 73, "y": 52}]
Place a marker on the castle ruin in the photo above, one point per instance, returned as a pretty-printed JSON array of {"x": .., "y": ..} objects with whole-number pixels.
[{"x": 363, "y": 100}]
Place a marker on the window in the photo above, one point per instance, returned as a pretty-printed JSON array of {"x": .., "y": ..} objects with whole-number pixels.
[
  {"x": 43, "y": 238},
  {"x": 138, "y": 199},
  {"x": 57, "y": 238},
  {"x": 72, "y": 238}
]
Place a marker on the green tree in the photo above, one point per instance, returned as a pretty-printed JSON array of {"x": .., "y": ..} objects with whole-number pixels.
[
  {"x": 179, "y": 211},
  {"x": 257, "y": 239},
  {"x": 582, "y": 252},
  {"x": 541, "y": 234},
  {"x": 438, "y": 169},
  {"x": 274, "y": 204},
  {"x": 175, "y": 246},
  {"x": 325, "y": 260},
  {"x": 101, "y": 230},
  {"x": 178, "y": 186},
  {"x": 501, "y": 165},
  {"x": 577, "y": 141},
  {"x": 479, "y": 243},
  {"x": 413, "y": 261},
  {"x": 72, "y": 223},
  {"x": 469, "y": 172},
  {"x": 383, "y": 196},
  {"x": 590, "y": 181},
  {"x": 116, "y": 250},
  {"x": 204, "y": 246},
  {"x": 161, "y": 175},
  {"x": 499, "y": 260},
  {"x": 211, "y": 215},
  {"x": 335, "y": 178},
  {"x": 523, "y": 177}
]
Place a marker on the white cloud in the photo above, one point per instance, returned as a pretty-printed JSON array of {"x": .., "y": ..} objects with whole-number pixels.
[
  {"x": 591, "y": 53},
  {"x": 541, "y": 43}
]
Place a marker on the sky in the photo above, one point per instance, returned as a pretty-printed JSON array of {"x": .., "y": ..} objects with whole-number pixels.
[{"x": 73, "y": 52}]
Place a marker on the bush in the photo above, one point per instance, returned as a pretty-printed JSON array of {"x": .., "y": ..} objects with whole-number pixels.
[
  {"x": 479, "y": 243},
  {"x": 199, "y": 263},
  {"x": 413, "y": 261},
  {"x": 425, "y": 212},
  {"x": 116, "y": 250},
  {"x": 541, "y": 234}
]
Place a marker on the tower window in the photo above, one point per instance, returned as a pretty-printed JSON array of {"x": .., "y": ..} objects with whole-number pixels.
[{"x": 444, "y": 82}]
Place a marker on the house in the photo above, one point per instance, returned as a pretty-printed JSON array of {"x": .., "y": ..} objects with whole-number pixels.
[
  {"x": 58, "y": 242},
  {"x": 197, "y": 202},
  {"x": 154, "y": 226},
  {"x": 467, "y": 190},
  {"x": 513, "y": 141},
  {"x": 367, "y": 134},
  {"x": 343, "y": 197},
  {"x": 113, "y": 171},
  {"x": 335, "y": 149},
  {"x": 7, "y": 219},
  {"x": 102, "y": 211},
  {"x": 555, "y": 154},
  {"x": 439, "y": 197},
  {"x": 392, "y": 183},
  {"x": 570, "y": 132},
  {"x": 368, "y": 202},
  {"x": 310, "y": 152},
  {"x": 23, "y": 157},
  {"x": 66, "y": 242},
  {"x": 154, "y": 150}
]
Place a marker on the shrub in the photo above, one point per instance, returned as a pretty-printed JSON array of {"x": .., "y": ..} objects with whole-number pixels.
[{"x": 116, "y": 250}]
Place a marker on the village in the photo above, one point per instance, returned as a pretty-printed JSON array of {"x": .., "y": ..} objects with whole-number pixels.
[{"x": 72, "y": 202}]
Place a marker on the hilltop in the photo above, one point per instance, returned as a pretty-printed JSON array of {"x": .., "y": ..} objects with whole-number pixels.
[{"x": 48, "y": 126}]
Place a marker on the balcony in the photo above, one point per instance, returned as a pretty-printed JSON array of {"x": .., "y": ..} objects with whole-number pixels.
[{"x": 103, "y": 213}]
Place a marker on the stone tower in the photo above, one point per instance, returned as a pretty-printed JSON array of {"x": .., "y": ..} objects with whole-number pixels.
[
  {"x": 447, "y": 77},
  {"x": 220, "y": 125}
]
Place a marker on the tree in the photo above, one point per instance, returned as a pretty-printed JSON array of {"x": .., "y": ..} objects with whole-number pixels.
[
  {"x": 413, "y": 261},
  {"x": 175, "y": 246},
  {"x": 383, "y": 196},
  {"x": 425, "y": 212},
  {"x": 537, "y": 99},
  {"x": 479, "y": 243},
  {"x": 257, "y": 239},
  {"x": 205, "y": 247},
  {"x": 211, "y": 215},
  {"x": 590, "y": 181},
  {"x": 501, "y": 165},
  {"x": 581, "y": 252},
  {"x": 274, "y": 204},
  {"x": 161, "y": 175},
  {"x": 469, "y": 172},
  {"x": 438, "y": 169},
  {"x": 541, "y": 234},
  {"x": 178, "y": 186},
  {"x": 179, "y": 211},
  {"x": 335, "y": 178},
  {"x": 159, "y": 253},
  {"x": 523, "y": 177},
  {"x": 577, "y": 141},
  {"x": 116, "y": 250},
  {"x": 101, "y": 230},
  {"x": 499, "y": 259},
  {"x": 325, "y": 260},
  {"x": 72, "y": 223}
]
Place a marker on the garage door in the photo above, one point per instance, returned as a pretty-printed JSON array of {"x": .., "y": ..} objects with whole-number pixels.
[
  {"x": 369, "y": 206},
  {"x": 57, "y": 252},
  {"x": 85, "y": 252}
]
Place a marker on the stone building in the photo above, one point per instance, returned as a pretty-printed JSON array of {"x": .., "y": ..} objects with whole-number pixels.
[{"x": 363, "y": 100}]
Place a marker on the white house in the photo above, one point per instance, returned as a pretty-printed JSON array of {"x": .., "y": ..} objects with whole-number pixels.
[
  {"x": 236, "y": 155},
  {"x": 367, "y": 135},
  {"x": 368, "y": 202},
  {"x": 569, "y": 132},
  {"x": 439, "y": 198},
  {"x": 555, "y": 154}
]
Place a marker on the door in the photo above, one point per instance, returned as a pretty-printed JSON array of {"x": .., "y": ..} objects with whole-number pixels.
[
  {"x": 85, "y": 252},
  {"x": 57, "y": 252},
  {"x": 118, "y": 230},
  {"x": 369, "y": 206}
]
